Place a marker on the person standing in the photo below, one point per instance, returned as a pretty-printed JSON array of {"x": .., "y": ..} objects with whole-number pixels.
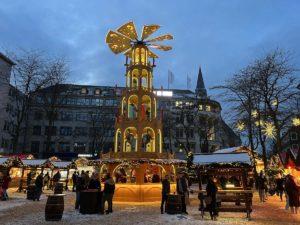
[
  {"x": 108, "y": 193},
  {"x": 94, "y": 183},
  {"x": 293, "y": 194},
  {"x": 56, "y": 178},
  {"x": 74, "y": 178},
  {"x": 165, "y": 191},
  {"x": 38, "y": 187},
  {"x": 80, "y": 185},
  {"x": 29, "y": 178},
  {"x": 182, "y": 188},
  {"x": 5, "y": 184},
  {"x": 261, "y": 185},
  {"x": 279, "y": 187},
  {"x": 211, "y": 190}
]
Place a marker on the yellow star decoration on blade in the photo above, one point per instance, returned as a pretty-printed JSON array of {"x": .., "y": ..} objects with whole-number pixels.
[
  {"x": 296, "y": 121},
  {"x": 269, "y": 130},
  {"x": 240, "y": 126}
]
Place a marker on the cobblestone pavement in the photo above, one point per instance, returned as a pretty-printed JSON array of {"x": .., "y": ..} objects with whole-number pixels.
[{"x": 18, "y": 210}]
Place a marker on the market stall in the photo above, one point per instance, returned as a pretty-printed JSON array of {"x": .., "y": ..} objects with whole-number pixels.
[
  {"x": 11, "y": 165},
  {"x": 233, "y": 175},
  {"x": 66, "y": 169}
]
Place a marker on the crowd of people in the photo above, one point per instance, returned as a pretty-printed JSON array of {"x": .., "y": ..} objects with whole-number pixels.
[{"x": 281, "y": 185}]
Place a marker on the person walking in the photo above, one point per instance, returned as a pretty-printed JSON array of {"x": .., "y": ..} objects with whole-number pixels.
[
  {"x": 261, "y": 185},
  {"x": 293, "y": 194},
  {"x": 279, "y": 187},
  {"x": 182, "y": 188},
  {"x": 80, "y": 185},
  {"x": 165, "y": 192},
  {"x": 108, "y": 193},
  {"x": 5, "y": 184},
  {"x": 211, "y": 190},
  {"x": 38, "y": 187}
]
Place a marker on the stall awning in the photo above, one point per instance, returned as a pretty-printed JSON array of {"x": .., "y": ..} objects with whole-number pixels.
[
  {"x": 221, "y": 158},
  {"x": 63, "y": 164},
  {"x": 35, "y": 162},
  {"x": 3, "y": 160}
]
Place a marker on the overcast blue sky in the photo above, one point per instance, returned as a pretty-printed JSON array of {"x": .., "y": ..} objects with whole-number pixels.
[{"x": 222, "y": 36}]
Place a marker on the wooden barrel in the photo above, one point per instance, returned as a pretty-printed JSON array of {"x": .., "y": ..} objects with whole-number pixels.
[
  {"x": 59, "y": 187},
  {"x": 30, "y": 192},
  {"x": 54, "y": 207},
  {"x": 174, "y": 204}
]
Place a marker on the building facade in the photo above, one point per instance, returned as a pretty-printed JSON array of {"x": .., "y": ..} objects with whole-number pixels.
[
  {"x": 6, "y": 104},
  {"x": 81, "y": 120}
]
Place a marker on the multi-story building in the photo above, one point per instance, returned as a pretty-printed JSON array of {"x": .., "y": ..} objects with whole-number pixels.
[
  {"x": 85, "y": 118},
  {"x": 6, "y": 103}
]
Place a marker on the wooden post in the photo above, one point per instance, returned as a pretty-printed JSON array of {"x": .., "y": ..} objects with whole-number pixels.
[
  {"x": 200, "y": 195},
  {"x": 67, "y": 180}
]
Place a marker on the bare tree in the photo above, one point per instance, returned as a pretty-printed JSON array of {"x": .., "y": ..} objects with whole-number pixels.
[
  {"x": 51, "y": 98},
  {"x": 28, "y": 78},
  {"x": 101, "y": 122}
]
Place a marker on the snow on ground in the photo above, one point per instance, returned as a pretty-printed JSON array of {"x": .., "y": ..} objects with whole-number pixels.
[{"x": 18, "y": 210}]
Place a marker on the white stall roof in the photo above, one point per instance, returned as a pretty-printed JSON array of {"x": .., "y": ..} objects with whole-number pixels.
[
  {"x": 34, "y": 162},
  {"x": 3, "y": 160},
  {"x": 203, "y": 159},
  {"x": 227, "y": 150},
  {"x": 61, "y": 164}
]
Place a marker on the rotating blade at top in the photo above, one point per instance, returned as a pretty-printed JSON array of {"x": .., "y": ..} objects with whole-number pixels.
[
  {"x": 128, "y": 30},
  {"x": 148, "y": 30}
]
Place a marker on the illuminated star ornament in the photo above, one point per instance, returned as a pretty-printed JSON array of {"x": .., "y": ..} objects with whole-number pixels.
[
  {"x": 296, "y": 121},
  {"x": 269, "y": 130},
  {"x": 240, "y": 125}
]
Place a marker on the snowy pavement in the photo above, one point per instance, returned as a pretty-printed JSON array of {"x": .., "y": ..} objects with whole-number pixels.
[{"x": 18, "y": 210}]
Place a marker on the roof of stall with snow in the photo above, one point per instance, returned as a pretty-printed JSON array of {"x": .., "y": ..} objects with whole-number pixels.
[{"x": 221, "y": 158}]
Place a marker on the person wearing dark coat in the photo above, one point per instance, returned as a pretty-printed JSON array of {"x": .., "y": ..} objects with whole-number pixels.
[
  {"x": 80, "y": 185},
  {"x": 261, "y": 185},
  {"x": 94, "y": 183},
  {"x": 39, "y": 183},
  {"x": 74, "y": 178},
  {"x": 279, "y": 187},
  {"x": 293, "y": 194},
  {"x": 165, "y": 191},
  {"x": 211, "y": 190},
  {"x": 56, "y": 178},
  {"x": 108, "y": 193},
  {"x": 182, "y": 188},
  {"x": 5, "y": 184}
]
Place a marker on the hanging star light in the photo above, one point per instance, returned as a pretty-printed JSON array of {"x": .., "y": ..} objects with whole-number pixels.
[
  {"x": 296, "y": 121},
  {"x": 269, "y": 130},
  {"x": 259, "y": 123},
  {"x": 240, "y": 125},
  {"x": 254, "y": 113}
]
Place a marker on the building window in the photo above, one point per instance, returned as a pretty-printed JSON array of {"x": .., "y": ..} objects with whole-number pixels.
[
  {"x": 37, "y": 130},
  {"x": 66, "y": 116},
  {"x": 192, "y": 145},
  {"x": 191, "y": 133},
  {"x": 4, "y": 143},
  {"x": 190, "y": 118},
  {"x": 200, "y": 107},
  {"x": 35, "y": 146},
  {"x": 6, "y": 126},
  {"x": 64, "y": 147},
  {"x": 97, "y": 91},
  {"x": 38, "y": 115},
  {"x": 82, "y": 116},
  {"x": 65, "y": 131},
  {"x": 50, "y": 130},
  {"x": 179, "y": 133},
  {"x": 81, "y": 131},
  {"x": 295, "y": 146},
  {"x": 208, "y": 108},
  {"x": 294, "y": 136},
  {"x": 83, "y": 91},
  {"x": 51, "y": 147}
]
